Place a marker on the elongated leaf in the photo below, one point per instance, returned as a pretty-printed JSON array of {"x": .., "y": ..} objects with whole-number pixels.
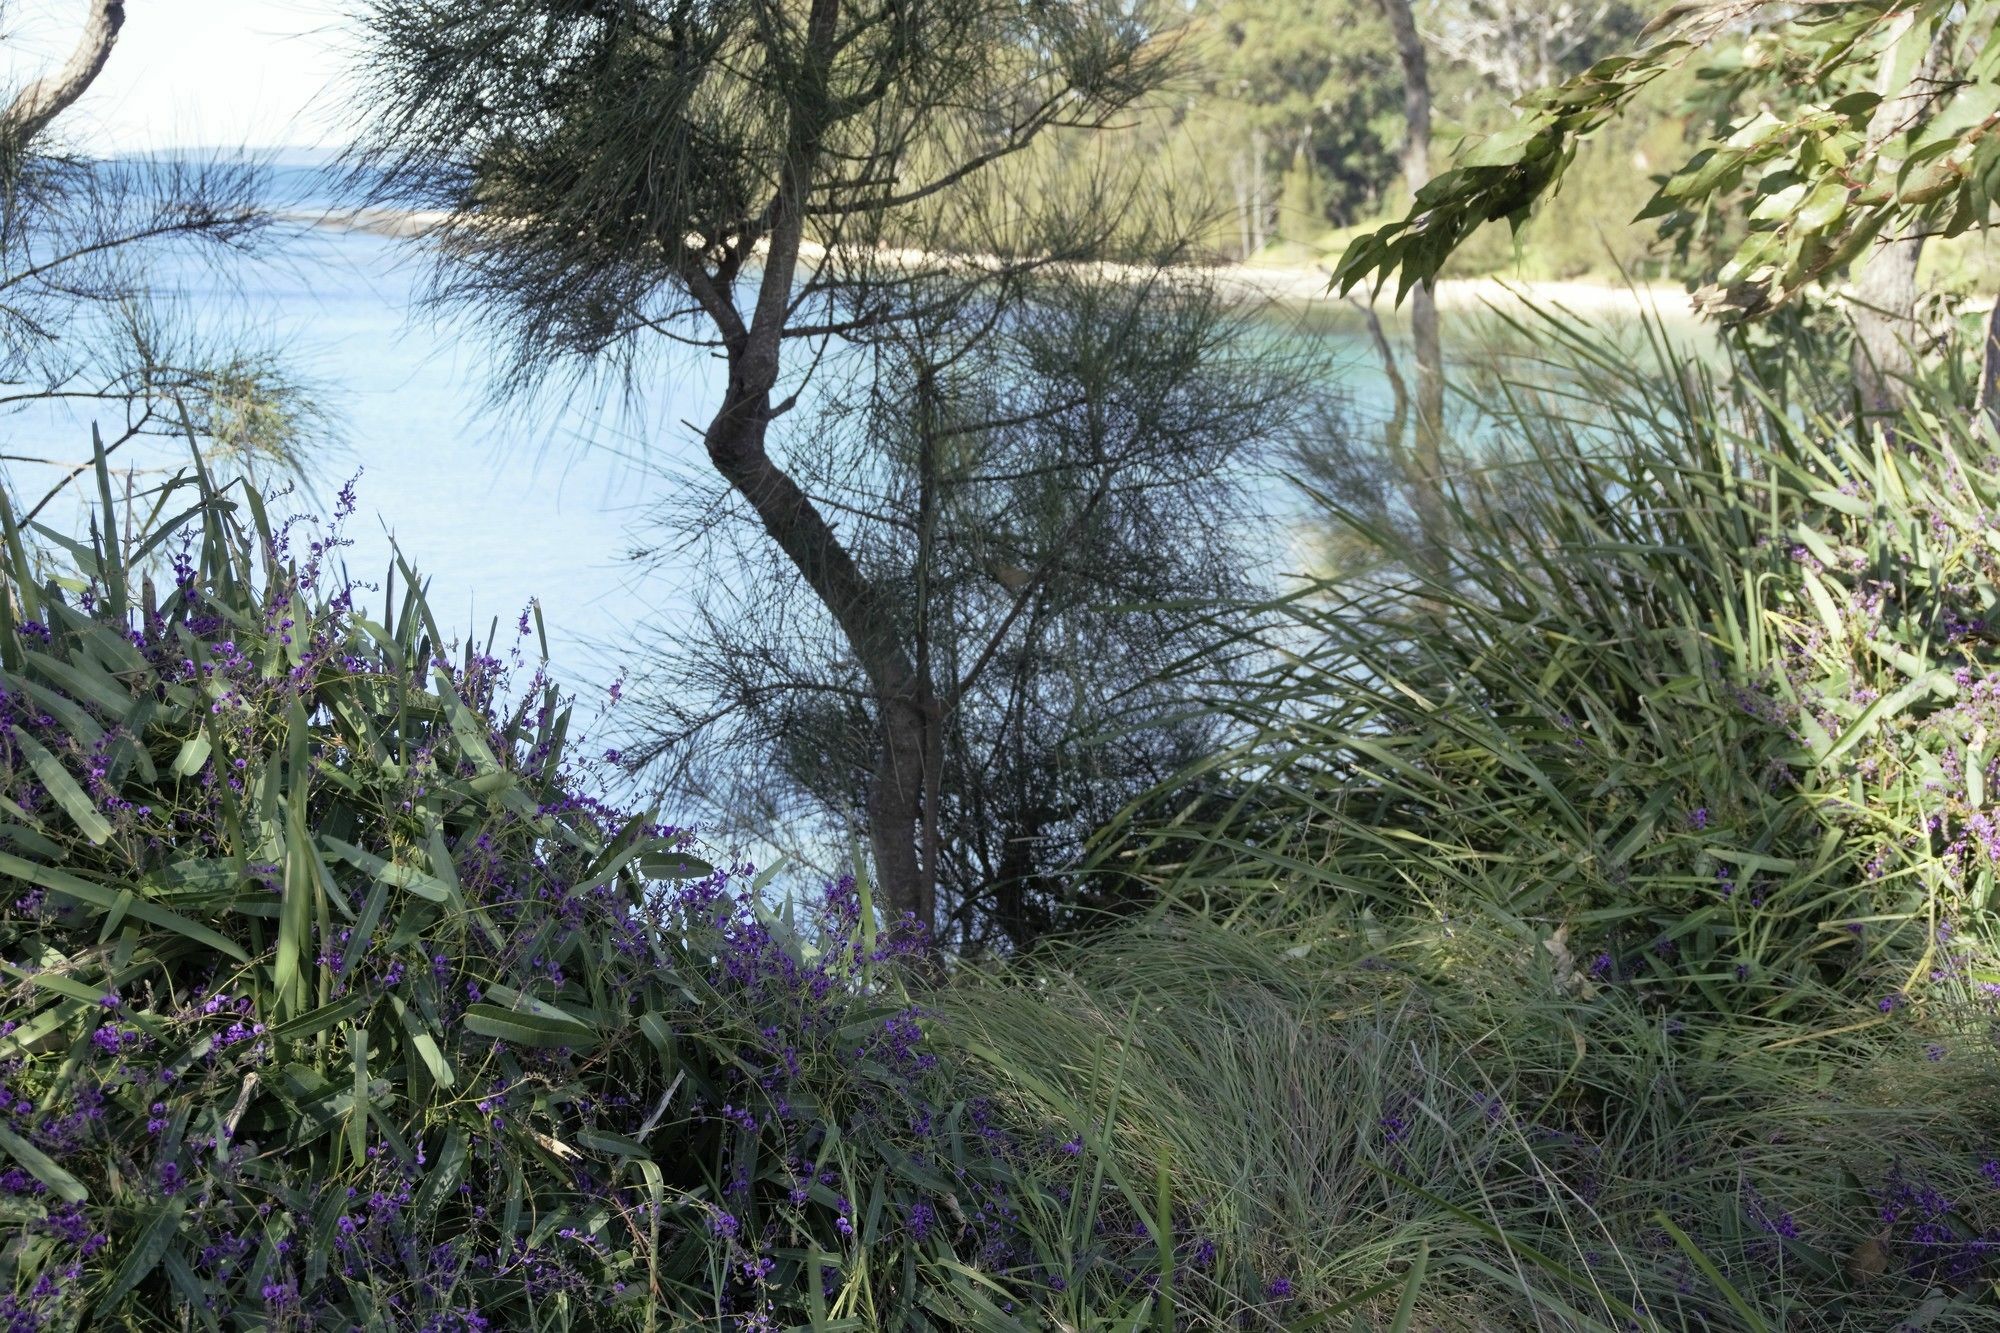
[
  {"x": 401, "y": 876},
  {"x": 527, "y": 1029},
  {"x": 42, "y": 1167},
  {"x": 89, "y": 819},
  {"x": 428, "y": 1050},
  {"x": 322, "y": 1019},
  {"x": 97, "y": 895},
  {"x": 1881, "y": 711},
  {"x": 147, "y": 1249},
  {"x": 193, "y": 754},
  {"x": 357, "y": 1123}
]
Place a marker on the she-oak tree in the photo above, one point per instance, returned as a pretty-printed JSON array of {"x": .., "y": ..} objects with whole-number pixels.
[{"x": 766, "y": 178}]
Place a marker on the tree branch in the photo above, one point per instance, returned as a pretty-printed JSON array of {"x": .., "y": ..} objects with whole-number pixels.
[{"x": 48, "y": 97}]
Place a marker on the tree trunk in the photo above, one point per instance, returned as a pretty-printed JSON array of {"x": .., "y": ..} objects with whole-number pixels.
[
  {"x": 1241, "y": 181},
  {"x": 1883, "y": 300},
  {"x": 1259, "y": 205},
  {"x": 1989, "y": 368},
  {"x": 1423, "y": 302},
  {"x": 48, "y": 97},
  {"x": 896, "y": 804},
  {"x": 1883, "y": 307},
  {"x": 735, "y": 442}
]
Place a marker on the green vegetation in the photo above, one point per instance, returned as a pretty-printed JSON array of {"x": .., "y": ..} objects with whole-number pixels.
[
  {"x": 1840, "y": 132},
  {"x": 1573, "y": 910},
  {"x": 1597, "y": 934},
  {"x": 334, "y": 1000}
]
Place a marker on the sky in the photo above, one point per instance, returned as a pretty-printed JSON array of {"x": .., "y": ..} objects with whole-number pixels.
[{"x": 195, "y": 73}]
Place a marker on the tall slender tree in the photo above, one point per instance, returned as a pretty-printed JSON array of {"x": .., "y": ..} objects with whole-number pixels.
[
  {"x": 1424, "y": 332},
  {"x": 1060, "y": 503},
  {"x": 771, "y": 180}
]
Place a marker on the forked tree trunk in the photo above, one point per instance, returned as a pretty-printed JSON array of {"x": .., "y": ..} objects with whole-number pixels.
[
  {"x": 736, "y": 445},
  {"x": 735, "y": 442}
]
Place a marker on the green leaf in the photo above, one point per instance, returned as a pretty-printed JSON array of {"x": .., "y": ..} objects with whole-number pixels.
[
  {"x": 107, "y": 899},
  {"x": 193, "y": 754},
  {"x": 1504, "y": 147},
  {"x": 1751, "y": 1318},
  {"x": 89, "y": 819},
  {"x": 428, "y": 1049},
  {"x": 1406, "y": 1308},
  {"x": 612, "y": 1145},
  {"x": 321, "y": 1019},
  {"x": 148, "y": 1248},
  {"x": 357, "y": 1116},
  {"x": 42, "y": 1167},
  {"x": 1882, "y": 710},
  {"x": 405, "y": 877},
  {"x": 1826, "y": 203},
  {"x": 85, "y": 679},
  {"x": 527, "y": 1029}
]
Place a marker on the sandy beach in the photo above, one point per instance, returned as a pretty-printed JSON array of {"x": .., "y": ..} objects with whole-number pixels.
[{"x": 1297, "y": 285}]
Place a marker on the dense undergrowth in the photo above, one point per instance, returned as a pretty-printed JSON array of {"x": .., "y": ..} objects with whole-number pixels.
[
  {"x": 333, "y": 999},
  {"x": 1662, "y": 800},
  {"x": 1593, "y": 931}
]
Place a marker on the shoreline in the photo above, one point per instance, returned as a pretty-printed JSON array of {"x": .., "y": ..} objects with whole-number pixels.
[{"x": 1301, "y": 286}]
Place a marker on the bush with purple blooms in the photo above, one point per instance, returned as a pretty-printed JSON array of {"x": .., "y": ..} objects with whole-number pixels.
[{"x": 330, "y": 998}]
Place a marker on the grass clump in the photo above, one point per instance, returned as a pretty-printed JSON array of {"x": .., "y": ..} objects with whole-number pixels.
[
  {"x": 1698, "y": 673},
  {"x": 1367, "y": 1119},
  {"x": 1662, "y": 788}
]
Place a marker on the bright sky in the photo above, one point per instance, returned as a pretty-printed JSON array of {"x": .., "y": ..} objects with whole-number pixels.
[{"x": 195, "y": 73}]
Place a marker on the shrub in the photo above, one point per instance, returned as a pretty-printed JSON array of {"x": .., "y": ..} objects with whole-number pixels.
[
  {"x": 1701, "y": 675},
  {"x": 1681, "y": 755},
  {"x": 333, "y": 999}
]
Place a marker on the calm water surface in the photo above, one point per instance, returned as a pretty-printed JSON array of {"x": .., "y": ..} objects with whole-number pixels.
[{"x": 497, "y": 506}]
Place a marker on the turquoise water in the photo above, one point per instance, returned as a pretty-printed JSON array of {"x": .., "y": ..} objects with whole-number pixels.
[{"x": 496, "y": 505}]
